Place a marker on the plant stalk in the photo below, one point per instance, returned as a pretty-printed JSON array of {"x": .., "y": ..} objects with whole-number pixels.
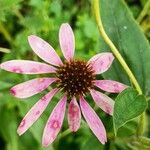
[
  {"x": 144, "y": 12},
  {"x": 117, "y": 54}
]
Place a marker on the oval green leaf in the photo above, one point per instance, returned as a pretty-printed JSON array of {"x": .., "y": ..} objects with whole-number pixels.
[{"x": 128, "y": 105}]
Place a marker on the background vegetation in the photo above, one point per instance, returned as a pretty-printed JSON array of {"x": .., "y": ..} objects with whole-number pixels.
[{"x": 19, "y": 18}]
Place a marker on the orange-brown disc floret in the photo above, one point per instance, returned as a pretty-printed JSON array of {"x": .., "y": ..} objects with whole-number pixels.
[{"x": 75, "y": 77}]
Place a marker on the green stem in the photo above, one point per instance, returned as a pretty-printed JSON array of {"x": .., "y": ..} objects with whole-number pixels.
[
  {"x": 112, "y": 46},
  {"x": 65, "y": 133},
  {"x": 118, "y": 56},
  {"x": 5, "y": 33},
  {"x": 141, "y": 125},
  {"x": 4, "y": 50},
  {"x": 144, "y": 11},
  {"x": 18, "y": 14},
  {"x": 144, "y": 141}
]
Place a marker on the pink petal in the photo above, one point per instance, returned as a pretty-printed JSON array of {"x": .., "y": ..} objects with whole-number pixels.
[
  {"x": 44, "y": 50},
  {"x": 74, "y": 115},
  {"x": 67, "y": 41},
  {"x": 93, "y": 121},
  {"x": 54, "y": 123},
  {"x": 27, "y": 67},
  {"x": 35, "y": 112},
  {"x": 31, "y": 87},
  {"x": 110, "y": 86},
  {"x": 103, "y": 101},
  {"x": 101, "y": 62}
]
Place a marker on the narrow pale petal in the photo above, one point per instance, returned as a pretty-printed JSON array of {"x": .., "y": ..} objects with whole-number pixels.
[
  {"x": 74, "y": 115},
  {"x": 67, "y": 41},
  {"x": 27, "y": 67},
  {"x": 110, "y": 86},
  {"x": 93, "y": 121},
  {"x": 103, "y": 101},
  {"x": 101, "y": 62},
  {"x": 35, "y": 112},
  {"x": 44, "y": 50},
  {"x": 54, "y": 123},
  {"x": 31, "y": 87}
]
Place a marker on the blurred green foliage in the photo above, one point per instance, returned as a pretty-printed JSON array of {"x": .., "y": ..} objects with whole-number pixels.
[{"x": 18, "y": 20}]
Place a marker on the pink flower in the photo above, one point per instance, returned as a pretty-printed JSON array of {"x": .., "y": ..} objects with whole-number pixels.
[{"x": 75, "y": 78}]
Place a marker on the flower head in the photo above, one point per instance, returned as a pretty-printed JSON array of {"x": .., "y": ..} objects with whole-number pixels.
[{"x": 75, "y": 78}]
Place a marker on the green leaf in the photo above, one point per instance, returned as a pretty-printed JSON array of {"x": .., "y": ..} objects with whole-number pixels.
[
  {"x": 127, "y": 36},
  {"x": 128, "y": 105},
  {"x": 128, "y": 129}
]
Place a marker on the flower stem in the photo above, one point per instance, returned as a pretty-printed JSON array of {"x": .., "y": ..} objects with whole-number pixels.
[
  {"x": 4, "y": 50},
  {"x": 65, "y": 133},
  {"x": 141, "y": 125},
  {"x": 115, "y": 51},
  {"x": 144, "y": 11},
  {"x": 5, "y": 33},
  {"x": 144, "y": 141},
  {"x": 112, "y": 46}
]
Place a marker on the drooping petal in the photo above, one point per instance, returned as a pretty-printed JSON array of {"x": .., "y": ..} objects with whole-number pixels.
[
  {"x": 27, "y": 67},
  {"x": 74, "y": 115},
  {"x": 54, "y": 123},
  {"x": 103, "y": 101},
  {"x": 110, "y": 86},
  {"x": 44, "y": 50},
  {"x": 93, "y": 121},
  {"x": 67, "y": 41},
  {"x": 31, "y": 87},
  {"x": 101, "y": 62},
  {"x": 35, "y": 112}
]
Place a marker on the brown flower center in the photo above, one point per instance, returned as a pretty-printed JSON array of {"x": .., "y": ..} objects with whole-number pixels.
[{"x": 75, "y": 77}]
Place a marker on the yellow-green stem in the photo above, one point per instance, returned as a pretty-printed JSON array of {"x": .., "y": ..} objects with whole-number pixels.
[
  {"x": 65, "y": 133},
  {"x": 144, "y": 11},
  {"x": 4, "y": 50},
  {"x": 112, "y": 46},
  {"x": 144, "y": 141},
  {"x": 115, "y": 51},
  {"x": 141, "y": 125}
]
